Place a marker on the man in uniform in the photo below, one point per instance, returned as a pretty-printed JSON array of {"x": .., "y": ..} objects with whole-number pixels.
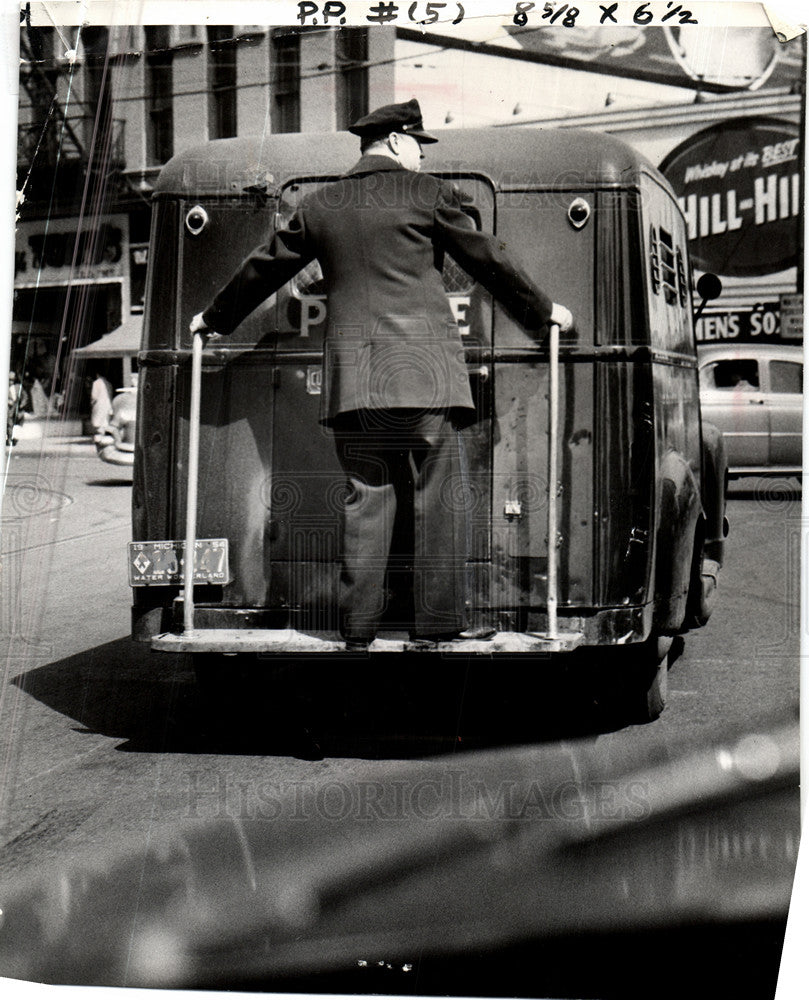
[{"x": 395, "y": 386}]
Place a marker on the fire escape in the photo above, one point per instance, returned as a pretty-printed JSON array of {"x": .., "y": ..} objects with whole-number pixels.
[{"x": 59, "y": 154}]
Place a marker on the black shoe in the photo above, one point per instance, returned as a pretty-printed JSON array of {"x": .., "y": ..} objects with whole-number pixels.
[
  {"x": 426, "y": 643},
  {"x": 481, "y": 632},
  {"x": 421, "y": 645},
  {"x": 357, "y": 645}
]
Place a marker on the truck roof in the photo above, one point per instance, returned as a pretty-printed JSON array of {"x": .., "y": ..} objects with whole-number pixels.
[{"x": 513, "y": 159}]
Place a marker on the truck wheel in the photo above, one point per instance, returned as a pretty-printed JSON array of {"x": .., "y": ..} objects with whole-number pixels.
[
  {"x": 635, "y": 687},
  {"x": 220, "y": 687},
  {"x": 240, "y": 711},
  {"x": 649, "y": 679},
  {"x": 702, "y": 590}
]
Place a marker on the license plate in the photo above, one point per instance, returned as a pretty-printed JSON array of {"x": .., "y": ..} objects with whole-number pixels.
[{"x": 154, "y": 564}]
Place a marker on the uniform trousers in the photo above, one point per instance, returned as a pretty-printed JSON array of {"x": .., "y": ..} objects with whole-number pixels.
[{"x": 402, "y": 465}]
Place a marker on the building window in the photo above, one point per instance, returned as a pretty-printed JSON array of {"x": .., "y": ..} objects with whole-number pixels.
[
  {"x": 188, "y": 34},
  {"x": 159, "y": 96},
  {"x": 221, "y": 82},
  {"x": 286, "y": 81},
  {"x": 97, "y": 116},
  {"x": 351, "y": 51},
  {"x": 40, "y": 43}
]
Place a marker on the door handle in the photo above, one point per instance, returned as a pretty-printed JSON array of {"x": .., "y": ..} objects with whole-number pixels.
[
  {"x": 755, "y": 402},
  {"x": 483, "y": 372}
]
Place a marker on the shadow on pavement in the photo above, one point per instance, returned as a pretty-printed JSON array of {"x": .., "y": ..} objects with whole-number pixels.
[
  {"x": 373, "y": 707},
  {"x": 120, "y": 690}
]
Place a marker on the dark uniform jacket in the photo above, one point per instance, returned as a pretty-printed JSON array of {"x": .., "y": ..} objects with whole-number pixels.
[{"x": 379, "y": 235}]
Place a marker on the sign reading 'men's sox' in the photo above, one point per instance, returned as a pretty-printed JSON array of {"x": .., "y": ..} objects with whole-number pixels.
[{"x": 739, "y": 186}]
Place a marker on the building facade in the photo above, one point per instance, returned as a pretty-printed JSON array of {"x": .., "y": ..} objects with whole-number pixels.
[
  {"x": 721, "y": 112},
  {"x": 99, "y": 119}
]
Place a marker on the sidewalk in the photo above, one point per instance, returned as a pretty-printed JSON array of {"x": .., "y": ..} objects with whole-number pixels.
[{"x": 51, "y": 436}]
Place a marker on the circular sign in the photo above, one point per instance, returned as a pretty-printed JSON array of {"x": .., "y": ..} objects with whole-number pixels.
[
  {"x": 705, "y": 56},
  {"x": 739, "y": 186}
]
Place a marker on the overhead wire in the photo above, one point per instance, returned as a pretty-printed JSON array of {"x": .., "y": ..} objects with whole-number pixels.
[{"x": 313, "y": 74}]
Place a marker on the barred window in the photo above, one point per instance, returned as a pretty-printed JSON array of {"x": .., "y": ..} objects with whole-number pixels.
[
  {"x": 667, "y": 268},
  {"x": 682, "y": 281},
  {"x": 654, "y": 261}
]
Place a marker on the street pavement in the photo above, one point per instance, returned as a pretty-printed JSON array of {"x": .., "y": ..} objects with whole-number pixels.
[{"x": 104, "y": 743}]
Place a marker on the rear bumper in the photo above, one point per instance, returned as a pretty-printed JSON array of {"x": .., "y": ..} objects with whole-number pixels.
[
  {"x": 290, "y": 642},
  {"x": 226, "y": 634}
]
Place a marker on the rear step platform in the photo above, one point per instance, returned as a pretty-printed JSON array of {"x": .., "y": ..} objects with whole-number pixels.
[{"x": 290, "y": 642}]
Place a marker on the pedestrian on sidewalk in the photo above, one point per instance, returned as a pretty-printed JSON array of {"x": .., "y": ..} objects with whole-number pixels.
[{"x": 17, "y": 403}]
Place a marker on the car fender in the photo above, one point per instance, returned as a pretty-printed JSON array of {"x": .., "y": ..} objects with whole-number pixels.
[
  {"x": 108, "y": 451},
  {"x": 714, "y": 492},
  {"x": 709, "y": 540},
  {"x": 679, "y": 510}
]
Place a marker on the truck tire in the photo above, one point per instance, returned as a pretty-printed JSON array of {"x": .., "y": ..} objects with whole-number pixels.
[
  {"x": 702, "y": 590},
  {"x": 647, "y": 680},
  {"x": 634, "y": 687},
  {"x": 239, "y": 711},
  {"x": 221, "y": 683}
]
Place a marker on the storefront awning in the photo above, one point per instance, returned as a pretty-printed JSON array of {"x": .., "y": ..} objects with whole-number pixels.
[{"x": 122, "y": 342}]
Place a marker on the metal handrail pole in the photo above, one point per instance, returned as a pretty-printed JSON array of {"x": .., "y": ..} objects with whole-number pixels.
[
  {"x": 192, "y": 484},
  {"x": 553, "y": 432}
]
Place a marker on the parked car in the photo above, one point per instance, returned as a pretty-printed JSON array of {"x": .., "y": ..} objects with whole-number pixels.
[
  {"x": 754, "y": 394},
  {"x": 114, "y": 434},
  {"x": 115, "y": 443}
]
